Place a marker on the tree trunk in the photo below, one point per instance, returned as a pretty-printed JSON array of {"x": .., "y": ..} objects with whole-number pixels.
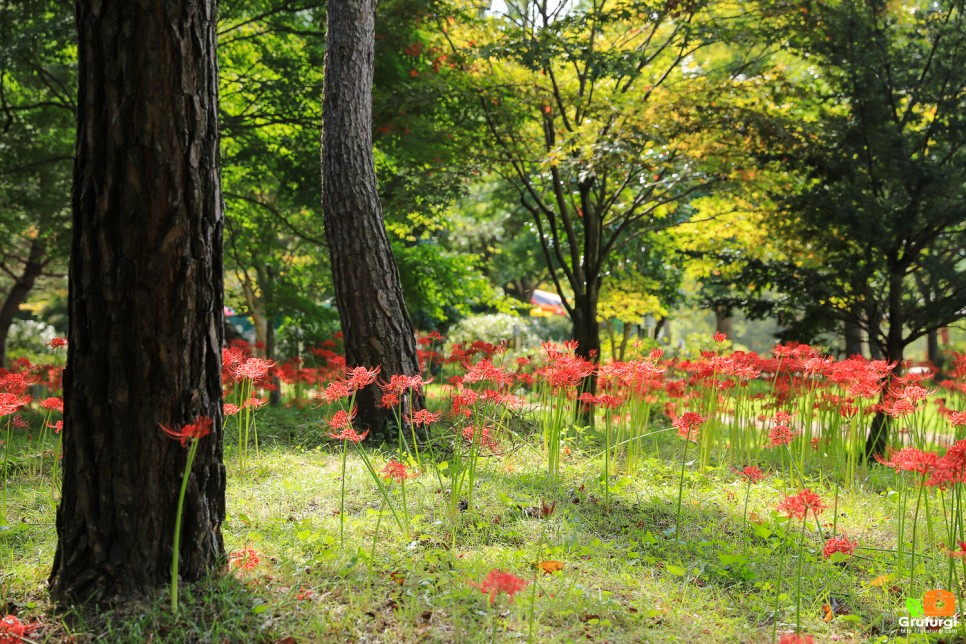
[
  {"x": 587, "y": 334},
  {"x": 723, "y": 322},
  {"x": 375, "y": 323},
  {"x": 853, "y": 339},
  {"x": 878, "y": 437},
  {"x": 21, "y": 288},
  {"x": 145, "y": 303},
  {"x": 933, "y": 353}
]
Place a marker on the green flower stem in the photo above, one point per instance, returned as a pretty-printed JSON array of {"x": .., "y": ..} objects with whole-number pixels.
[
  {"x": 778, "y": 578},
  {"x": 176, "y": 554},
  {"x": 342, "y": 498},
  {"x": 798, "y": 581},
  {"x": 677, "y": 520}
]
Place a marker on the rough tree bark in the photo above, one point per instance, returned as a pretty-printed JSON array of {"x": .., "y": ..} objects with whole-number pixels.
[
  {"x": 145, "y": 302},
  {"x": 375, "y": 322},
  {"x": 32, "y": 269}
]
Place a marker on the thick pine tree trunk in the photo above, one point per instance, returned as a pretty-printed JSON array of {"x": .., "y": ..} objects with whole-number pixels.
[
  {"x": 145, "y": 302},
  {"x": 375, "y": 323},
  {"x": 18, "y": 293}
]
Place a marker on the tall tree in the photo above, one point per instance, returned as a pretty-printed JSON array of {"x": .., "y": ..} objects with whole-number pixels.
[
  {"x": 145, "y": 301},
  {"x": 376, "y": 325},
  {"x": 37, "y": 79},
  {"x": 881, "y": 210},
  {"x": 594, "y": 113}
]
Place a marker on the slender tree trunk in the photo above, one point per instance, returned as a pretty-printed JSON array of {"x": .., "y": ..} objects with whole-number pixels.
[
  {"x": 723, "y": 322},
  {"x": 587, "y": 334},
  {"x": 878, "y": 437},
  {"x": 377, "y": 328},
  {"x": 933, "y": 353},
  {"x": 18, "y": 293},
  {"x": 853, "y": 338},
  {"x": 145, "y": 303}
]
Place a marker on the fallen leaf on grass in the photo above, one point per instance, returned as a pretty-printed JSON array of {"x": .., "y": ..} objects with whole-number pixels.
[
  {"x": 398, "y": 577},
  {"x": 550, "y": 566}
]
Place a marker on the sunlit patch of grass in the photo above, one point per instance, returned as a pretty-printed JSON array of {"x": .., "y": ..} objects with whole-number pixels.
[{"x": 625, "y": 576}]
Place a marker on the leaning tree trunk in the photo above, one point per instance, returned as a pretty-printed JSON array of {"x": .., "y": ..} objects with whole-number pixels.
[
  {"x": 375, "y": 323},
  {"x": 145, "y": 303},
  {"x": 18, "y": 293}
]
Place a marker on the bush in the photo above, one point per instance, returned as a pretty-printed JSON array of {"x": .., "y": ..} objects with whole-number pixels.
[{"x": 499, "y": 327}]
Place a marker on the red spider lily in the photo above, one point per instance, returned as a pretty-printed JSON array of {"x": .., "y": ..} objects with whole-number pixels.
[
  {"x": 192, "y": 431},
  {"x": 798, "y": 505},
  {"x": 781, "y": 435},
  {"x": 360, "y": 377},
  {"x": 18, "y": 382},
  {"x": 252, "y": 369},
  {"x": 719, "y": 337},
  {"x": 342, "y": 419},
  {"x": 256, "y": 403},
  {"x": 604, "y": 400},
  {"x": 57, "y": 343},
  {"x": 19, "y": 422},
  {"x": 950, "y": 467},
  {"x": 463, "y": 401},
  {"x": 796, "y": 638},
  {"x": 752, "y": 474},
  {"x": 498, "y": 581},
  {"x": 486, "y": 370},
  {"x": 335, "y": 391},
  {"x": 14, "y": 631},
  {"x": 958, "y": 554},
  {"x": 245, "y": 559},
  {"x": 53, "y": 404},
  {"x": 838, "y": 544},
  {"x": 396, "y": 471},
  {"x": 228, "y": 409},
  {"x": 400, "y": 383},
  {"x": 688, "y": 424},
  {"x": 350, "y": 435},
  {"x": 424, "y": 417},
  {"x": 957, "y": 418},
  {"x": 909, "y": 459},
  {"x": 484, "y": 436},
  {"x": 390, "y": 401},
  {"x": 57, "y": 427},
  {"x": 898, "y": 407}
]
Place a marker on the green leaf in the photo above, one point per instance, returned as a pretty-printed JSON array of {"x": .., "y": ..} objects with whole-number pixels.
[{"x": 677, "y": 571}]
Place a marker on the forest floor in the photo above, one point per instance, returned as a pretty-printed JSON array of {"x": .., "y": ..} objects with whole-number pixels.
[{"x": 593, "y": 567}]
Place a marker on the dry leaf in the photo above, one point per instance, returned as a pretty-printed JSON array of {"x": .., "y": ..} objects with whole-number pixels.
[
  {"x": 398, "y": 577},
  {"x": 550, "y": 566}
]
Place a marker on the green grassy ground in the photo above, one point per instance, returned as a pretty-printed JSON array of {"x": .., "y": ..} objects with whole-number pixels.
[{"x": 626, "y": 576}]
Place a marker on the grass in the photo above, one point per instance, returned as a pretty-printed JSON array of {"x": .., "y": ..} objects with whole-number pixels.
[{"x": 625, "y": 577}]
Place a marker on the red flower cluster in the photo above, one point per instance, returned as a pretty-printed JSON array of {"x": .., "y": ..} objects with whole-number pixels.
[
  {"x": 687, "y": 425},
  {"x": 798, "y": 505},
  {"x": 424, "y": 417},
  {"x": 838, "y": 544},
  {"x": 396, "y": 471},
  {"x": 752, "y": 474},
  {"x": 245, "y": 559},
  {"x": 13, "y": 631},
  {"x": 498, "y": 581}
]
